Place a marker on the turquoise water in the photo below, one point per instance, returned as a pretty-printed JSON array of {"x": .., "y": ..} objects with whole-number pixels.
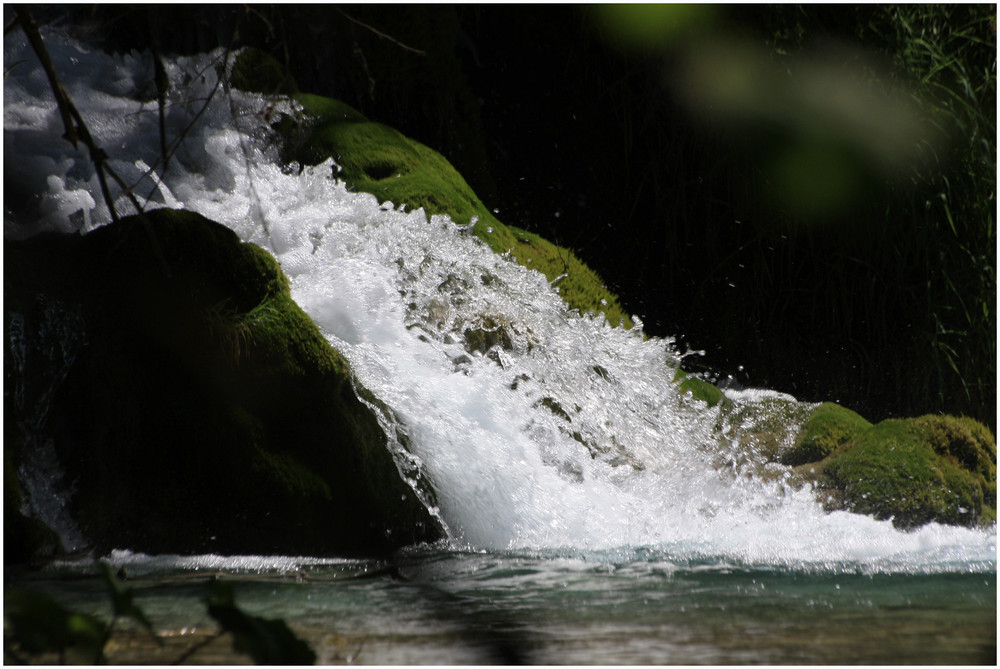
[{"x": 445, "y": 606}]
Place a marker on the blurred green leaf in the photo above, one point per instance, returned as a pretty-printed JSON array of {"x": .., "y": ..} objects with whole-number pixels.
[
  {"x": 266, "y": 641},
  {"x": 37, "y": 624},
  {"x": 651, "y": 25}
]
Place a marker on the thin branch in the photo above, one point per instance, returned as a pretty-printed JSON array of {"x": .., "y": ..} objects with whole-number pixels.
[
  {"x": 76, "y": 131},
  {"x": 175, "y": 145},
  {"x": 257, "y": 211},
  {"x": 249, "y": 9},
  {"x": 162, "y": 86},
  {"x": 62, "y": 99},
  {"x": 380, "y": 34},
  {"x": 11, "y": 25},
  {"x": 162, "y": 81}
]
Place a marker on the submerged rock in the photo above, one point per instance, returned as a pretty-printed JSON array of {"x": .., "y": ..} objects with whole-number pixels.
[{"x": 206, "y": 412}]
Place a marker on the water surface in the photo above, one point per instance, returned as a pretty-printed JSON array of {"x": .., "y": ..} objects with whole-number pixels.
[{"x": 446, "y": 606}]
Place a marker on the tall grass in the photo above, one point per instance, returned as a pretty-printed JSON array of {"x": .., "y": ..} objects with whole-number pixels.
[
  {"x": 894, "y": 303},
  {"x": 949, "y": 52}
]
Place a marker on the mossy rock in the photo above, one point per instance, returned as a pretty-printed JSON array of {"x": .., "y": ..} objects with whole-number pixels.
[
  {"x": 828, "y": 426},
  {"x": 918, "y": 470},
  {"x": 765, "y": 425},
  {"x": 207, "y": 412},
  {"x": 374, "y": 158},
  {"x": 699, "y": 388}
]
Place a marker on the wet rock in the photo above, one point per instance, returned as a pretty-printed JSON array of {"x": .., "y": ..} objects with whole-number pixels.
[
  {"x": 828, "y": 426},
  {"x": 206, "y": 413},
  {"x": 915, "y": 471}
]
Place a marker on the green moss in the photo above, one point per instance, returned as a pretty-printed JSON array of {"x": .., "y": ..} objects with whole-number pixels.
[
  {"x": 292, "y": 475},
  {"x": 763, "y": 426},
  {"x": 377, "y": 159},
  {"x": 828, "y": 426},
  {"x": 327, "y": 110},
  {"x": 485, "y": 335},
  {"x": 698, "y": 388},
  {"x": 556, "y": 408},
  {"x": 906, "y": 470},
  {"x": 969, "y": 444}
]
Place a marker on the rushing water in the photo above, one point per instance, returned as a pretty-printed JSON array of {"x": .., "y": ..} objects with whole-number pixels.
[{"x": 593, "y": 514}]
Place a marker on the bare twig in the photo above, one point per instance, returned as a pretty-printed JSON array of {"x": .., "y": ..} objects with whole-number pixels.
[
  {"x": 249, "y": 9},
  {"x": 162, "y": 82},
  {"x": 62, "y": 99},
  {"x": 381, "y": 34},
  {"x": 162, "y": 86},
  {"x": 76, "y": 131},
  {"x": 11, "y": 25},
  {"x": 256, "y": 210},
  {"x": 175, "y": 145}
]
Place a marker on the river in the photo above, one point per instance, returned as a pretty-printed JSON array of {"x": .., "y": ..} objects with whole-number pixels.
[{"x": 593, "y": 515}]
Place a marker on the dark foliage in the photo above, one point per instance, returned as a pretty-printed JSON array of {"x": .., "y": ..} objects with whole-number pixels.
[
  {"x": 37, "y": 627},
  {"x": 267, "y": 641}
]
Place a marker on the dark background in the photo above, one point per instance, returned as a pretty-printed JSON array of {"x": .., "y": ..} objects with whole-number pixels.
[{"x": 883, "y": 300}]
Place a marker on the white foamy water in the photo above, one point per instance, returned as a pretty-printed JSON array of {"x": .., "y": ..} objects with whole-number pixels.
[{"x": 568, "y": 437}]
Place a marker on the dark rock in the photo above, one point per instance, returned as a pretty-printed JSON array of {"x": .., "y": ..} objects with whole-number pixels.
[{"x": 206, "y": 412}]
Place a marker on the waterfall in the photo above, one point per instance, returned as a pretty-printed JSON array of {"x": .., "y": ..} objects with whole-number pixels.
[{"x": 538, "y": 427}]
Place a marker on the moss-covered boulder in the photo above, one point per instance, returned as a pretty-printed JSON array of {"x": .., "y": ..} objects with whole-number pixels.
[
  {"x": 915, "y": 471},
  {"x": 829, "y": 425},
  {"x": 699, "y": 388},
  {"x": 255, "y": 71},
  {"x": 377, "y": 159},
  {"x": 205, "y": 411},
  {"x": 374, "y": 158}
]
